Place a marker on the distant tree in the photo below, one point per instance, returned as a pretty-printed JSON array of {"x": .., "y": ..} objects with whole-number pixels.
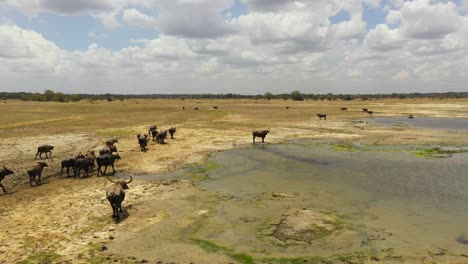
[
  {"x": 268, "y": 96},
  {"x": 60, "y": 97},
  {"x": 49, "y": 95},
  {"x": 297, "y": 96}
]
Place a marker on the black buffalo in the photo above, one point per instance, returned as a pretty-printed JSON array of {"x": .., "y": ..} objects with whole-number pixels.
[
  {"x": 261, "y": 134},
  {"x": 161, "y": 136},
  {"x": 116, "y": 195},
  {"x": 36, "y": 171},
  {"x": 324, "y": 116},
  {"x": 172, "y": 131},
  {"x": 106, "y": 160},
  {"x": 44, "y": 149},
  {"x": 4, "y": 172}
]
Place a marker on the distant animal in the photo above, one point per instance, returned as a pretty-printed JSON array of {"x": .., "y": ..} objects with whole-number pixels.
[
  {"x": 152, "y": 129},
  {"x": 36, "y": 171},
  {"x": 116, "y": 195},
  {"x": 67, "y": 163},
  {"x": 161, "y": 136},
  {"x": 106, "y": 160},
  {"x": 196, "y": 108},
  {"x": 111, "y": 142},
  {"x": 44, "y": 149},
  {"x": 143, "y": 142},
  {"x": 365, "y": 109},
  {"x": 172, "y": 131},
  {"x": 4, "y": 172},
  {"x": 154, "y": 133},
  {"x": 81, "y": 164},
  {"x": 91, "y": 157},
  {"x": 411, "y": 116},
  {"x": 370, "y": 112},
  {"x": 104, "y": 151},
  {"x": 112, "y": 148},
  {"x": 183, "y": 107},
  {"x": 343, "y": 108},
  {"x": 261, "y": 134},
  {"x": 324, "y": 116},
  {"x": 215, "y": 107},
  {"x": 287, "y": 107}
]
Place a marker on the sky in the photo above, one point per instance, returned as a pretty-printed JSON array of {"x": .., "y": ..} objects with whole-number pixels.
[{"x": 233, "y": 46}]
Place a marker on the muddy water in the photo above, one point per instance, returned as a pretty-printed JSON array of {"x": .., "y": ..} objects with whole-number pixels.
[
  {"x": 450, "y": 124},
  {"x": 391, "y": 201}
]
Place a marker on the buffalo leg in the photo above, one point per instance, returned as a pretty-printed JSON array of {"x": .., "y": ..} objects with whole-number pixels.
[
  {"x": 61, "y": 171},
  {"x": 253, "y": 139},
  {"x": 36, "y": 155},
  {"x": 113, "y": 170},
  {"x": 105, "y": 169},
  {"x": 263, "y": 139},
  {"x": 1, "y": 185}
]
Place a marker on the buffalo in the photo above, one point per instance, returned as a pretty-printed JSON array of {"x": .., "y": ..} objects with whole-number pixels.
[
  {"x": 69, "y": 162},
  {"x": 36, "y": 171},
  {"x": 365, "y": 109},
  {"x": 172, "y": 131},
  {"x": 324, "y": 116},
  {"x": 161, "y": 136},
  {"x": 196, "y": 108},
  {"x": 215, "y": 107},
  {"x": 82, "y": 164},
  {"x": 4, "y": 172},
  {"x": 106, "y": 160},
  {"x": 44, "y": 149},
  {"x": 152, "y": 129},
  {"x": 343, "y": 108},
  {"x": 261, "y": 134},
  {"x": 111, "y": 142},
  {"x": 411, "y": 116},
  {"x": 143, "y": 142},
  {"x": 116, "y": 195}
]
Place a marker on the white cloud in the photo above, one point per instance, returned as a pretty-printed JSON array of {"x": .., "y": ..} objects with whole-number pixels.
[
  {"x": 354, "y": 28},
  {"x": 423, "y": 19},
  {"x": 134, "y": 17},
  {"x": 276, "y": 45},
  {"x": 382, "y": 38}
]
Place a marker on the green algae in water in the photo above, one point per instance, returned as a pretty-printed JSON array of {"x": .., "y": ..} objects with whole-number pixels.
[
  {"x": 438, "y": 153},
  {"x": 211, "y": 247}
]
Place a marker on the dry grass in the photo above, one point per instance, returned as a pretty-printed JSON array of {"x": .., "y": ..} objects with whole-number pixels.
[
  {"x": 74, "y": 127},
  {"x": 84, "y": 117}
]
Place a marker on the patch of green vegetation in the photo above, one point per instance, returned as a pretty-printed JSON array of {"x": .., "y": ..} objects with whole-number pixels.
[
  {"x": 343, "y": 147},
  {"x": 42, "y": 258},
  {"x": 438, "y": 153},
  {"x": 400, "y": 124},
  {"x": 211, "y": 247},
  {"x": 208, "y": 166},
  {"x": 348, "y": 258},
  {"x": 299, "y": 260},
  {"x": 94, "y": 224}
]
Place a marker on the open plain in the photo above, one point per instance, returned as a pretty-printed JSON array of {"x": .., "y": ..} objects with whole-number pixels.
[{"x": 68, "y": 220}]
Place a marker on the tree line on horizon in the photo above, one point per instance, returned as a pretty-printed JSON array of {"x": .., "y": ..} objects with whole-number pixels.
[{"x": 50, "y": 95}]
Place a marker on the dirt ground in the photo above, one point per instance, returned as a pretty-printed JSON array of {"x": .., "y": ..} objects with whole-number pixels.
[{"x": 69, "y": 220}]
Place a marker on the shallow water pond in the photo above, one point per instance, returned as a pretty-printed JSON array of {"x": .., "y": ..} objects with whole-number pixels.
[
  {"x": 450, "y": 124},
  {"x": 386, "y": 200}
]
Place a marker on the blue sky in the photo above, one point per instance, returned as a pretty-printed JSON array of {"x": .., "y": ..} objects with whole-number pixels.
[{"x": 315, "y": 45}]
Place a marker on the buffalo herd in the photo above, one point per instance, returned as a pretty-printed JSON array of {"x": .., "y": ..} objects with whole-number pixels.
[{"x": 82, "y": 165}]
